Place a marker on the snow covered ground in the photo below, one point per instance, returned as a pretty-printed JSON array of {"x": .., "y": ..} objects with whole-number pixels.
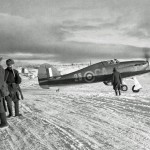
[{"x": 81, "y": 117}]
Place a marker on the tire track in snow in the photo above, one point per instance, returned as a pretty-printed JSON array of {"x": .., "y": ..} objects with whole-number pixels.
[{"x": 81, "y": 119}]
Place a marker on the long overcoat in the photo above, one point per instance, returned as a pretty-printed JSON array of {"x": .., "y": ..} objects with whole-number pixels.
[
  {"x": 12, "y": 78},
  {"x": 2, "y": 101},
  {"x": 116, "y": 80}
]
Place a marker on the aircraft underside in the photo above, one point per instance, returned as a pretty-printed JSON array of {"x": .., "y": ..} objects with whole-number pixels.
[
  {"x": 51, "y": 82},
  {"x": 48, "y": 76}
]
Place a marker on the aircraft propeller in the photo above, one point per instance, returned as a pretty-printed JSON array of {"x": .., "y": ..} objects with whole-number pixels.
[{"x": 146, "y": 54}]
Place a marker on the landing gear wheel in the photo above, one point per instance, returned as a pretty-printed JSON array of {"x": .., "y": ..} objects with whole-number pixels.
[
  {"x": 135, "y": 91},
  {"x": 124, "y": 88}
]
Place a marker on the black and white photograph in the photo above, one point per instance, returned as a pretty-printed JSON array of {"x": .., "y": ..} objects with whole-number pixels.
[{"x": 74, "y": 74}]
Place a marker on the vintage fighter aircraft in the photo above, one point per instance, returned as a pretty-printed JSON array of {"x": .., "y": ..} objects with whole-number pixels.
[{"x": 48, "y": 76}]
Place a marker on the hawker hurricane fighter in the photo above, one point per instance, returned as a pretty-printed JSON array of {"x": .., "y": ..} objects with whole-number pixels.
[{"x": 48, "y": 76}]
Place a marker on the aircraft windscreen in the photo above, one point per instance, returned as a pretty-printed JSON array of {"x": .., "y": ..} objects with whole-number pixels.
[{"x": 110, "y": 62}]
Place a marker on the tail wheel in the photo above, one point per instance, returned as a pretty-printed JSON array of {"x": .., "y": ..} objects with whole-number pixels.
[
  {"x": 108, "y": 83},
  {"x": 135, "y": 91},
  {"x": 124, "y": 87}
]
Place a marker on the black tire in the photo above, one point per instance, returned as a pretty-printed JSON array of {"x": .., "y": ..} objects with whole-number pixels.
[
  {"x": 135, "y": 91},
  {"x": 124, "y": 88}
]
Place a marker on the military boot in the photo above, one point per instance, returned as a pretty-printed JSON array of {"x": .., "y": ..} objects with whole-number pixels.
[
  {"x": 116, "y": 92},
  {"x": 4, "y": 123},
  {"x": 119, "y": 92}
]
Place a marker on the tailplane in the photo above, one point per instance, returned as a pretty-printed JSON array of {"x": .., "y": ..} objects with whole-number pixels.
[{"x": 47, "y": 72}]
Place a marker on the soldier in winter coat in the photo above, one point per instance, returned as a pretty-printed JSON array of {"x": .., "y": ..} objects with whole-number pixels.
[
  {"x": 3, "y": 119},
  {"x": 13, "y": 80},
  {"x": 116, "y": 81}
]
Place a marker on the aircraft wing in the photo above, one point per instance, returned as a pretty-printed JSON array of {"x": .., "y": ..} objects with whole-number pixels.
[{"x": 130, "y": 74}]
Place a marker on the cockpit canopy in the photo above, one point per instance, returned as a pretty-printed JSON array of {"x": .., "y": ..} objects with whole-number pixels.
[{"x": 110, "y": 62}]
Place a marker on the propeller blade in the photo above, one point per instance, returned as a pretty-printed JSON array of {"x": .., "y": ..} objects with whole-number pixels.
[{"x": 146, "y": 54}]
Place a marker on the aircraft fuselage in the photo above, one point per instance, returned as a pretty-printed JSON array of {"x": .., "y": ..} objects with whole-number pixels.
[{"x": 98, "y": 72}]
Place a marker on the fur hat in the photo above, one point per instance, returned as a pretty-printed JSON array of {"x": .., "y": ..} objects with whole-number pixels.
[{"x": 9, "y": 62}]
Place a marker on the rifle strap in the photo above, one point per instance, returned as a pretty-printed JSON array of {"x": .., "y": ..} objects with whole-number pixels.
[
  {"x": 6, "y": 77},
  {"x": 13, "y": 73}
]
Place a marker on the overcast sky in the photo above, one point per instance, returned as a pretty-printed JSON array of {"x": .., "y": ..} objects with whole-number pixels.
[{"x": 74, "y": 30}]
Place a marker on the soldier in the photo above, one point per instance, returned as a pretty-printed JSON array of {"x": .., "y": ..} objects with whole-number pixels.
[
  {"x": 3, "y": 119},
  {"x": 116, "y": 81},
  {"x": 13, "y": 79}
]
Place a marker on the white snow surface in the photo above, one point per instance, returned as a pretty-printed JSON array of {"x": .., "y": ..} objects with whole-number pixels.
[{"x": 81, "y": 117}]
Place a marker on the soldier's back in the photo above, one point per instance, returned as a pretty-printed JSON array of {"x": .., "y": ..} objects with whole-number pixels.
[{"x": 2, "y": 74}]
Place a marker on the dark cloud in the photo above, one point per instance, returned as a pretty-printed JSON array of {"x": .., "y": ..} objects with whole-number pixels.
[
  {"x": 81, "y": 52},
  {"x": 19, "y": 34},
  {"x": 46, "y": 29},
  {"x": 141, "y": 34},
  {"x": 96, "y": 25},
  {"x": 47, "y": 41}
]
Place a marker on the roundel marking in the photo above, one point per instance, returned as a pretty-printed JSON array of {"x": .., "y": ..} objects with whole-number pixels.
[{"x": 89, "y": 76}]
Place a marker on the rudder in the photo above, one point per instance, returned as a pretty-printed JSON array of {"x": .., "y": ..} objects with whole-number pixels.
[{"x": 47, "y": 72}]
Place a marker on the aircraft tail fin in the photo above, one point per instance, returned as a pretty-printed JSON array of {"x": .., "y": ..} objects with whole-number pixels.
[{"x": 46, "y": 72}]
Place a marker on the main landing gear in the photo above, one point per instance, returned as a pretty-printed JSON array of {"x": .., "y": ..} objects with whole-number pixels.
[
  {"x": 135, "y": 88},
  {"x": 124, "y": 87}
]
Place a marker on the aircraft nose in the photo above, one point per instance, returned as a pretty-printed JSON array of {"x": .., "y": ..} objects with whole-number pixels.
[
  {"x": 142, "y": 63},
  {"x": 146, "y": 64}
]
